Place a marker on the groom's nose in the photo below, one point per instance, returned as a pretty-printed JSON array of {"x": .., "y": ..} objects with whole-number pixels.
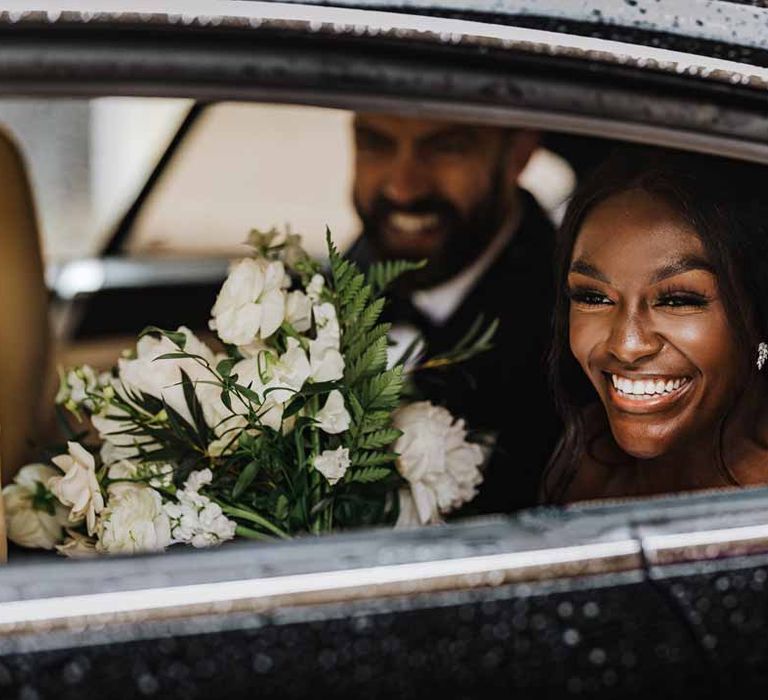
[{"x": 632, "y": 337}]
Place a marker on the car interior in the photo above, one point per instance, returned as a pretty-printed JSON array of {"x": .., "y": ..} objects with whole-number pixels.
[{"x": 159, "y": 237}]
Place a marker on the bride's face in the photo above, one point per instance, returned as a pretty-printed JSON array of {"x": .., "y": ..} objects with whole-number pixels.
[{"x": 647, "y": 325}]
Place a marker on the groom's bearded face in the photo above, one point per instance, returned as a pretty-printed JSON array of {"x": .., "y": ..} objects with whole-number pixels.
[{"x": 429, "y": 190}]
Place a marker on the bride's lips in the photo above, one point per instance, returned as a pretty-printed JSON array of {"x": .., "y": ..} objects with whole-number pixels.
[{"x": 646, "y": 393}]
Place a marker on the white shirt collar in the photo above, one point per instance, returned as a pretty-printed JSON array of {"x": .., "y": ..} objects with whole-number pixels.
[{"x": 439, "y": 303}]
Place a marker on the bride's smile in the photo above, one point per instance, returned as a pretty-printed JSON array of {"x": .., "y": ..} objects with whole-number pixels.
[{"x": 646, "y": 393}]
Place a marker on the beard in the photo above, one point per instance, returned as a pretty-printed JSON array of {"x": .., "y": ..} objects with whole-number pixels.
[{"x": 460, "y": 240}]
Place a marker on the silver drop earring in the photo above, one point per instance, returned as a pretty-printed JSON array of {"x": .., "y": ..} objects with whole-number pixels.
[{"x": 762, "y": 355}]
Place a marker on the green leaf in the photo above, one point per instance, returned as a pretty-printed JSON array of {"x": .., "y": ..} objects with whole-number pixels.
[
  {"x": 195, "y": 407},
  {"x": 224, "y": 368},
  {"x": 245, "y": 479},
  {"x": 294, "y": 407},
  {"x": 368, "y": 475},
  {"x": 180, "y": 356},
  {"x": 176, "y": 337}
]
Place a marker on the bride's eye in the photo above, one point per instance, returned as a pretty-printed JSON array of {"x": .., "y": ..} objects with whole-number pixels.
[
  {"x": 682, "y": 300},
  {"x": 588, "y": 297}
]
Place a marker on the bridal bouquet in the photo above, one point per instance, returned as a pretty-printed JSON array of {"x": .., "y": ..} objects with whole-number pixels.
[{"x": 295, "y": 424}]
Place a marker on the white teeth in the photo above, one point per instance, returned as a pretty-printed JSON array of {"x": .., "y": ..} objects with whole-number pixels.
[
  {"x": 413, "y": 223},
  {"x": 646, "y": 387}
]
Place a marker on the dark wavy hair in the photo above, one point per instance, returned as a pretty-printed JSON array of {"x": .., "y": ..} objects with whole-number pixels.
[{"x": 724, "y": 202}]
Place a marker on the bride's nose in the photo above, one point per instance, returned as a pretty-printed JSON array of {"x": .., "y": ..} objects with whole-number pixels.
[{"x": 633, "y": 337}]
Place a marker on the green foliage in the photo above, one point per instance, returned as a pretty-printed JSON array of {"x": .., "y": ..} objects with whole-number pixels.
[{"x": 382, "y": 274}]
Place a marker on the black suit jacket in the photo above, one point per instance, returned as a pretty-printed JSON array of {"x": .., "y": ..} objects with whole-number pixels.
[{"x": 503, "y": 390}]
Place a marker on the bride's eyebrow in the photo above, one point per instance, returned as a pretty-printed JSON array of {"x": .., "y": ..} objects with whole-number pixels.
[
  {"x": 685, "y": 264},
  {"x": 587, "y": 269}
]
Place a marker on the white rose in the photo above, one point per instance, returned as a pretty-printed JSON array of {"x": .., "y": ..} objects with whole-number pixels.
[
  {"x": 77, "y": 546},
  {"x": 441, "y": 467},
  {"x": 162, "y": 378},
  {"x": 333, "y": 418},
  {"x": 298, "y": 311},
  {"x": 27, "y": 525},
  {"x": 333, "y": 464},
  {"x": 315, "y": 287},
  {"x": 78, "y": 487},
  {"x": 251, "y": 302},
  {"x": 134, "y": 522}
]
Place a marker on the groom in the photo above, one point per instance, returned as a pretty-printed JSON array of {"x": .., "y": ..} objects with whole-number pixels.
[{"x": 448, "y": 193}]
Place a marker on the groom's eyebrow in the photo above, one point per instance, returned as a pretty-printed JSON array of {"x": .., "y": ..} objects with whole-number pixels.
[{"x": 588, "y": 269}]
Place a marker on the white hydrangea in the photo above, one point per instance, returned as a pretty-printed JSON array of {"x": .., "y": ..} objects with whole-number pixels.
[
  {"x": 251, "y": 302},
  {"x": 195, "y": 519},
  {"x": 441, "y": 467}
]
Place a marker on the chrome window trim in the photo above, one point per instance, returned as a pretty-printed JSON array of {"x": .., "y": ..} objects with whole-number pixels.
[{"x": 574, "y": 546}]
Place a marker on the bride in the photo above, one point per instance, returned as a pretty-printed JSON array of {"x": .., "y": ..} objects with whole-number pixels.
[{"x": 661, "y": 329}]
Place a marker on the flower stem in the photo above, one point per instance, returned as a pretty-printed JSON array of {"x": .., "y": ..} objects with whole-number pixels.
[
  {"x": 244, "y": 531},
  {"x": 254, "y": 518}
]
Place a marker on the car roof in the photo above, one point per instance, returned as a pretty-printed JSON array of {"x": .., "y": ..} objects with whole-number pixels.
[{"x": 712, "y": 39}]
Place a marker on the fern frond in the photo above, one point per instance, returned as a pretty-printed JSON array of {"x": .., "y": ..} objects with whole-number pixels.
[
  {"x": 372, "y": 361},
  {"x": 372, "y": 459},
  {"x": 368, "y": 475},
  {"x": 382, "y": 274},
  {"x": 379, "y": 439}
]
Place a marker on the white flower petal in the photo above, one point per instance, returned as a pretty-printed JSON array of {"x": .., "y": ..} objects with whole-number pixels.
[{"x": 333, "y": 418}]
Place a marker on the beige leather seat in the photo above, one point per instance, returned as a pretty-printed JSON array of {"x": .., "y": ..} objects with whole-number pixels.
[{"x": 24, "y": 336}]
